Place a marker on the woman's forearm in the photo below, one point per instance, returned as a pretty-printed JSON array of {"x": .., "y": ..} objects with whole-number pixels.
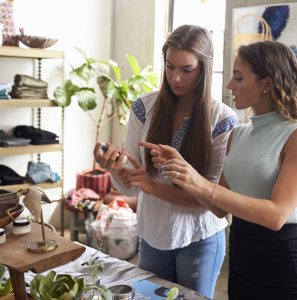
[{"x": 174, "y": 194}]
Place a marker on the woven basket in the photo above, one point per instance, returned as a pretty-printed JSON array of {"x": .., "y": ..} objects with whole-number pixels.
[{"x": 242, "y": 38}]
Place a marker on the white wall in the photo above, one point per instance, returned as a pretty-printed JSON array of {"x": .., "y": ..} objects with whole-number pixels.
[
  {"x": 139, "y": 29},
  {"x": 82, "y": 23}
]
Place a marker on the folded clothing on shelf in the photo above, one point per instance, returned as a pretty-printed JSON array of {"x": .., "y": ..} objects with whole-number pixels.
[
  {"x": 5, "y": 89},
  {"x": 38, "y": 172},
  {"x": 26, "y": 87},
  {"x": 9, "y": 176},
  {"x": 36, "y": 135},
  {"x": 25, "y": 80},
  {"x": 7, "y": 140}
]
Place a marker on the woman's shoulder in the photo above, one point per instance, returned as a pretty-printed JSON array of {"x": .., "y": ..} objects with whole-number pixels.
[
  {"x": 223, "y": 118},
  {"x": 221, "y": 110},
  {"x": 142, "y": 107}
]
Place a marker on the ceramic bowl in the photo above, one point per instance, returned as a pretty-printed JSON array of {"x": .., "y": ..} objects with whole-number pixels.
[{"x": 5, "y": 208}]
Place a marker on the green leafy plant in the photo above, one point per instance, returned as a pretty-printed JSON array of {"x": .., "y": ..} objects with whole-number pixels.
[
  {"x": 56, "y": 286},
  {"x": 172, "y": 294},
  {"x": 5, "y": 284},
  {"x": 118, "y": 93}
]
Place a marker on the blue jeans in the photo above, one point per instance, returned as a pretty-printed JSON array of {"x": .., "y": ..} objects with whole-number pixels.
[{"x": 196, "y": 266}]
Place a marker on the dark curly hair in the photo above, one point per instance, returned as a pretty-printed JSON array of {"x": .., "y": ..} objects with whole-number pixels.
[{"x": 276, "y": 61}]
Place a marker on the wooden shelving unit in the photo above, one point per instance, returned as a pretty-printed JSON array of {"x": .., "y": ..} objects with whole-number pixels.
[
  {"x": 35, "y": 105},
  {"x": 27, "y": 103}
]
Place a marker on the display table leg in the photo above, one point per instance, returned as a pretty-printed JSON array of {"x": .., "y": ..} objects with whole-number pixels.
[{"x": 18, "y": 284}]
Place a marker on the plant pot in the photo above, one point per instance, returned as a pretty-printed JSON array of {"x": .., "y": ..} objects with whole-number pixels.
[{"x": 100, "y": 182}]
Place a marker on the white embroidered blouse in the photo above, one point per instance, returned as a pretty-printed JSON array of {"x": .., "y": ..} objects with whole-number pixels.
[{"x": 161, "y": 224}]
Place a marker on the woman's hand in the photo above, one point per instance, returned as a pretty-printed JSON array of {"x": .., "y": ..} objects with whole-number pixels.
[
  {"x": 183, "y": 174},
  {"x": 138, "y": 177},
  {"x": 161, "y": 153},
  {"x": 111, "y": 159}
]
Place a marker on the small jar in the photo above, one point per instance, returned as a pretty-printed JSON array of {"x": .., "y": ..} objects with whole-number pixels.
[
  {"x": 2, "y": 236},
  {"x": 122, "y": 292},
  {"x": 21, "y": 226}
]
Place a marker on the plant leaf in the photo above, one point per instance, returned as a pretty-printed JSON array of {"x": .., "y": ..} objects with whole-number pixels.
[
  {"x": 86, "y": 98},
  {"x": 63, "y": 94},
  {"x": 133, "y": 64}
]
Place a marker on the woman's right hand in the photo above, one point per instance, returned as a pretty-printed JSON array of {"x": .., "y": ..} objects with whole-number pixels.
[
  {"x": 161, "y": 153},
  {"x": 111, "y": 159}
]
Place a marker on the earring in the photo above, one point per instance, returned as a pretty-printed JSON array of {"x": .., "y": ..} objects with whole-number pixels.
[{"x": 264, "y": 91}]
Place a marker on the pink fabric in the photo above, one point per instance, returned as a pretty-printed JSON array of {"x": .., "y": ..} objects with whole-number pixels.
[{"x": 81, "y": 194}]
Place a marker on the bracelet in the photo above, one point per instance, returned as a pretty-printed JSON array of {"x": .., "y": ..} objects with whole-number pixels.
[{"x": 213, "y": 193}]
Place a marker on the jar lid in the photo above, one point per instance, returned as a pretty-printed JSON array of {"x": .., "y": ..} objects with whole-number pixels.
[
  {"x": 122, "y": 292},
  {"x": 21, "y": 222},
  {"x": 2, "y": 232}
]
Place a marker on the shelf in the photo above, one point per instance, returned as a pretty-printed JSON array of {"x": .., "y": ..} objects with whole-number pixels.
[
  {"x": 30, "y": 149},
  {"x": 18, "y": 52},
  {"x": 44, "y": 185},
  {"x": 12, "y": 103}
]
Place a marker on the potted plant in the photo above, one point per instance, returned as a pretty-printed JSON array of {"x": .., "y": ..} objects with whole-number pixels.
[
  {"x": 118, "y": 93},
  {"x": 5, "y": 285}
]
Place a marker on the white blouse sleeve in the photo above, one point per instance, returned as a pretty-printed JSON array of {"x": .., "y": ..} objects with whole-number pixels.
[
  {"x": 133, "y": 137},
  {"x": 220, "y": 136}
]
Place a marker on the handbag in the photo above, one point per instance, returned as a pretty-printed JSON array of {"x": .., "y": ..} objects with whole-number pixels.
[{"x": 242, "y": 38}]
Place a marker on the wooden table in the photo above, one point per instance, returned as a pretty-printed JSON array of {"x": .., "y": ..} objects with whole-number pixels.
[{"x": 18, "y": 259}]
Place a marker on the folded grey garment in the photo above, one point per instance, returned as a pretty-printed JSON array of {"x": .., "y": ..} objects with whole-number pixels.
[
  {"x": 29, "y": 81},
  {"x": 27, "y": 95},
  {"x": 7, "y": 140},
  {"x": 28, "y": 88}
]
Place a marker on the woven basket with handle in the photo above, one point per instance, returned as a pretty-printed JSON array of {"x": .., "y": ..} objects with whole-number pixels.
[{"x": 242, "y": 38}]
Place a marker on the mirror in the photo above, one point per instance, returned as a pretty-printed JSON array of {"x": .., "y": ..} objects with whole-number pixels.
[{"x": 282, "y": 25}]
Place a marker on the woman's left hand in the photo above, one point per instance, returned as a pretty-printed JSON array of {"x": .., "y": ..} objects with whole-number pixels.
[{"x": 181, "y": 173}]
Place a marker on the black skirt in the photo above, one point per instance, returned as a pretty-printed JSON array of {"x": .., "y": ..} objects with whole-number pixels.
[{"x": 262, "y": 262}]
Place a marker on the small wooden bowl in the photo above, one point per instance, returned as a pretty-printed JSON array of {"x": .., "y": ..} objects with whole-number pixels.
[{"x": 9, "y": 208}]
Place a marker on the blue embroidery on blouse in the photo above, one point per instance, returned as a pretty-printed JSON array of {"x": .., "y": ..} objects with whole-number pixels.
[
  {"x": 225, "y": 126},
  {"x": 139, "y": 110},
  {"x": 178, "y": 138}
]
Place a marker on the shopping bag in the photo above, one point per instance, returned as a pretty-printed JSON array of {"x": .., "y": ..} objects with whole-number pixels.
[{"x": 115, "y": 228}]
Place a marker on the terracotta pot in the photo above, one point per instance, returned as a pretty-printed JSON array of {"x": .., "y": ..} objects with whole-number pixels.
[{"x": 100, "y": 182}]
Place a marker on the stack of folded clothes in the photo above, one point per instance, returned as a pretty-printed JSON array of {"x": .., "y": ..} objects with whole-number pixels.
[
  {"x": 5, "y": 89},
  {"x": 37, "y": 136},
  {"x": 7, "y": 140},
  {"x": 26, "y": 87},
  {"x": 9, "y": 176}
]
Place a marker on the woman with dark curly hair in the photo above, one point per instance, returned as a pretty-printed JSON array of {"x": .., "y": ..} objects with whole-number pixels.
[{"x": 258, "y": 185}]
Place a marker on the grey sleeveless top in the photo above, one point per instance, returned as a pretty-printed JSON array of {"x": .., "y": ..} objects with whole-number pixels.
[{"x": 253, "y": 162}]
